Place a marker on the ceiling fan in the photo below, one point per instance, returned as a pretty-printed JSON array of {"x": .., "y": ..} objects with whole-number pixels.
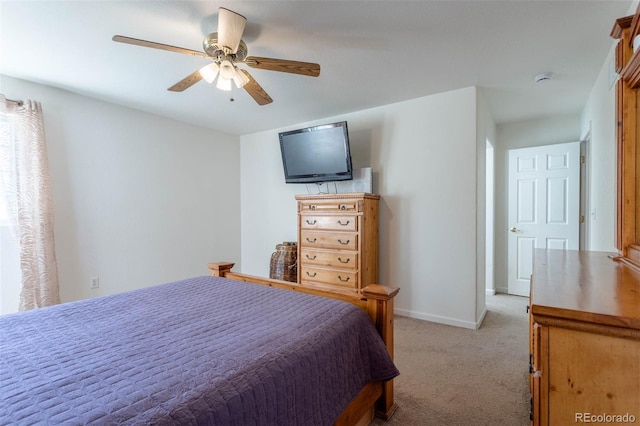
[{"x": 227, "y": 49}]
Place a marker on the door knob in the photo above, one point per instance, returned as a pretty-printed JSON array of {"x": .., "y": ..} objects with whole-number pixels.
[{"x": 513, "y": 229}]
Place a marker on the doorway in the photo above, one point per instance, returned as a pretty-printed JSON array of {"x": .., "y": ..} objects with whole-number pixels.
[{"x": 543, "y": 207}]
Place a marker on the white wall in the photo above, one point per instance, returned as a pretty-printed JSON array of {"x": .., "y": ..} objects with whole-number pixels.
[
  {"x": 598, "y": 120},
  {"x": 424, "y": 154},
  {"x": 524, "y": 134},
  {"x": 9, "y": 270},
  {"x": 139, "y": 199}
]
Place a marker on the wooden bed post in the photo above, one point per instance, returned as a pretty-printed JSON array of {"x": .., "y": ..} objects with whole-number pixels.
[
  {"x": 380, "y": 308},
  {"x": 219, "y": 269}
]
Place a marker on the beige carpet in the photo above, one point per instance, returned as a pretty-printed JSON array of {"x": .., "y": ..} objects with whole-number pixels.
[{"x": 455, "y": 376}]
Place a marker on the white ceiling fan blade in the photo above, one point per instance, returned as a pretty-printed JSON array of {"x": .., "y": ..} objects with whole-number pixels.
[{"x": 230, "y": 29}]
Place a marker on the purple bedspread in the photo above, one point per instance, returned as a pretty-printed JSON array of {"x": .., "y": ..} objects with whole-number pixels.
[{"x": 202, "y": 351}]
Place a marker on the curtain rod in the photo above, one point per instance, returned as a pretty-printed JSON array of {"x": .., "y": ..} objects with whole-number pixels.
[{"x": 19, "y": 103}]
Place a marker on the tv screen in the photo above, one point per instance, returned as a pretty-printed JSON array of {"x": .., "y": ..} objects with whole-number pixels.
[{"x": 316, "y": 154}]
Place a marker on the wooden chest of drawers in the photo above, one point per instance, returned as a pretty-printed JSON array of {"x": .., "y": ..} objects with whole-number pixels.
[
  {"x": 584, "y": 339},
  {"x": 338, "y": 240}
]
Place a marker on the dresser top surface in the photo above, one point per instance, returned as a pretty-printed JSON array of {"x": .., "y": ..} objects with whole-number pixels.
[
  {"x": 347, "y": 195},
  {"x": 585, "y": 286}
]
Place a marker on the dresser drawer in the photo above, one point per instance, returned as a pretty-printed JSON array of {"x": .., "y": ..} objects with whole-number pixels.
[
  {"x": 337, "y": 240},
  {"x": 330, "y": 222},
  {"x": 330, "y": 206},
  {"x": 347, "y": 279},
  {"x": 337, "y": 259}
]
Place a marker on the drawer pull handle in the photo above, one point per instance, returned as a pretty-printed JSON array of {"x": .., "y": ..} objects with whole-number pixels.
[
  {"x": 314, "y": 274},
  {"x": 343, "y": 224},
  {"x": 344, "y": 243},
  {"x": 311, "y": 241},
  {"x": 312, "y": 207},
  {"x": 343, "y": 207},
  {"x": 311, "y": 222},
  {"x": 344, "y": 280},
  {"x": 311, "y": 258},
  {"x": 344, "y": 261}
]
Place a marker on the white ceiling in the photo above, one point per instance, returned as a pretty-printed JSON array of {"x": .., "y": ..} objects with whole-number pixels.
[{"x": 371, "y": 53}]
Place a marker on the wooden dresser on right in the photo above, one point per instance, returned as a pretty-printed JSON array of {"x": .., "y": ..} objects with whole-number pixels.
[{"x": 584, "y": 339}]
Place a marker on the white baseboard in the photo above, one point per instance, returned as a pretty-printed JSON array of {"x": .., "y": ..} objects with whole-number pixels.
[
  {"x": 482, "y": 315},
  {"x": 491, "y": 292},
  {"x": 503, "y": 290},
  {"x": 441, "y": 319}
]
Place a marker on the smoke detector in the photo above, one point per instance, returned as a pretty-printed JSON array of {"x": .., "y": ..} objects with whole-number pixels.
[{"x": 545, "y": 76}]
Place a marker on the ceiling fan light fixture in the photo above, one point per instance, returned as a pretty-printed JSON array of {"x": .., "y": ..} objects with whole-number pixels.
[
  {"x": 224, "y": 84},
  {"x": 239, "y": 78},
  {"x": 226, "y": 69},
  {"x": 209, "y": 72}
]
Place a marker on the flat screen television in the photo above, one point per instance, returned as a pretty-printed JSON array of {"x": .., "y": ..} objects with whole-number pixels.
[{"x": 316, "y": 154}]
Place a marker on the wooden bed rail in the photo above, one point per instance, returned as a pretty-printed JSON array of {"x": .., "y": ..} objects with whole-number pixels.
[{"x": 375, "y": 299}]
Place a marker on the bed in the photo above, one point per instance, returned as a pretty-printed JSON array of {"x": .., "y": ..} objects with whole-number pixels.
[{"x": 209, "y": 350}]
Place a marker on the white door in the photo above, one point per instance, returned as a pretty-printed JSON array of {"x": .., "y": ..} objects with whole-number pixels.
[{"x": 544, "y": 206}]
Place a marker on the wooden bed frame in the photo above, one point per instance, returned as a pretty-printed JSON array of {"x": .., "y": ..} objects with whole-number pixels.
[{"x": 376, "y": 398}]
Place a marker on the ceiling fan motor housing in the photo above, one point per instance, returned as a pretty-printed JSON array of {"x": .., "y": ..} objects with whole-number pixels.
[{"x": 214, "y": 50}]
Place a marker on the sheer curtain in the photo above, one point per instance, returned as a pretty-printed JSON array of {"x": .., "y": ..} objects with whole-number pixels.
[{"x": 25, "y": 180}]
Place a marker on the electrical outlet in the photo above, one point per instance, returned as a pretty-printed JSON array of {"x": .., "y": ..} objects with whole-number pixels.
[{"x": 94, "y": 282}]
